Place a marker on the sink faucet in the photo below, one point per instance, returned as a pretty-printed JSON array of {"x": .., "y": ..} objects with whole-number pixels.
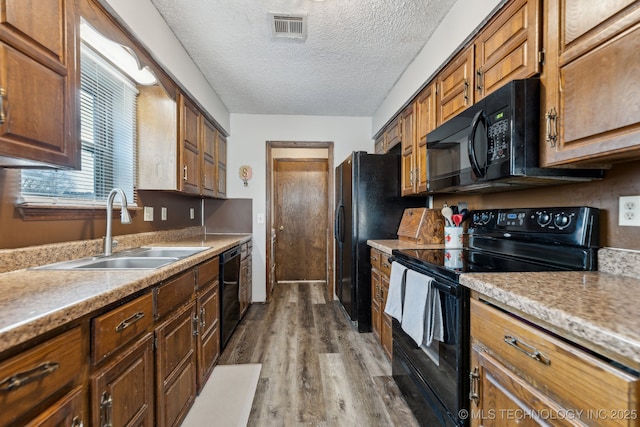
[{"x": 125, "y": 218}]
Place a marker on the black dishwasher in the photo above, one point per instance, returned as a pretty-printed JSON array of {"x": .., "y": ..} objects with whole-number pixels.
[{"x": 229, "y": 291}]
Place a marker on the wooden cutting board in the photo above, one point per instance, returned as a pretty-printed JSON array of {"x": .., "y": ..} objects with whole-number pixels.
[{"x": 422, "y": 226}]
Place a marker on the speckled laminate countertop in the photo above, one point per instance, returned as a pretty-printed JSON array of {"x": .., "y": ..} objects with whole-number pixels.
[
  {"x": 33, "y": 302},
  {"x": 387, "y": 246},
  {"x": 597, "y": 310}
]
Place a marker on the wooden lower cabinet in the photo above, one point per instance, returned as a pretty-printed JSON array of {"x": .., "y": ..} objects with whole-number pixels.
[
  {"x": 176, "y": 366},
  {"x": 381, "y": 323},
  {"x": 521, "y": 374},
  {"x": 245, "y": 277},
  {"x": 122, "y": 390}
]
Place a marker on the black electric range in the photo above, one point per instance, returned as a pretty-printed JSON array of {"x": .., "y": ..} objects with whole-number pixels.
[{"x": 434, "y": 380}]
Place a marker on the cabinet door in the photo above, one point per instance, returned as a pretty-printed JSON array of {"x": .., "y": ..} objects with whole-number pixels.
[
  {"x": 455, "y": 86},
  {"x": 375, "y": 303},
  {"x": 209, "y": 136},
  {"x": 592, "y": 70},
  {"x": 408, "y": 152},
  {"x": 68, "y": 411},
  {"x": 189, "y": 147},
  {"x": 38, "y": 82},
  {"x": 122, "y": 391},
  {"x": 425, "y": 123},
  {"x": 209, "y": 332},
  {"x": 499, "y": 397},
  {"x": 176, "y": 366},
  {"x": 386, "y": 336},
  {"x": 393, "y": 134},
  {"x": 508, "y": 47},
  {"x": 221, "y": 172},
  {"x": 379, "y": 145}
]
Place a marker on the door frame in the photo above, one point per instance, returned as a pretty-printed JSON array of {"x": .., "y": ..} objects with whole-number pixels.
[{"x": 330, "y": 206}]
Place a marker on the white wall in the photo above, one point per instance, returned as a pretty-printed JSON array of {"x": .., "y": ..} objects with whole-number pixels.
[
  {"x": 146, "y": 23},
  {"x": 247, "y": 146},
  {"x": 457, "y": 25}
]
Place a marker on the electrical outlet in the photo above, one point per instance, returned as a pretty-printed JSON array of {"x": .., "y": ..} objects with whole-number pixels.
[
  {"x": 192, "y": 213},
  {"x": 148, "y": 213},
  {"x": 629, "y": 211},
  {"x": 163, "y": 213}
]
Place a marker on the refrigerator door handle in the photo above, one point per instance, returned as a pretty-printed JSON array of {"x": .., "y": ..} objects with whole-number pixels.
[{"x": 339, "y": 230}]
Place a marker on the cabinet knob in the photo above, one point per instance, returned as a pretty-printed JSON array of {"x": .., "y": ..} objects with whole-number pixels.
[{"x": 281, "y": 228}]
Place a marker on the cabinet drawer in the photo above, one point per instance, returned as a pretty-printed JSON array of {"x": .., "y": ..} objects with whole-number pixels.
[
  {"x": 207, "y": 271},
  {"x": 119, "y": 326},
  {"x": 561, "y": 370},
  {"x": 375, "y": 258},
  {"x": 174, "y": 293},
  {"x": 385, "y": 265},
  {"x": 31, "y": 377}
]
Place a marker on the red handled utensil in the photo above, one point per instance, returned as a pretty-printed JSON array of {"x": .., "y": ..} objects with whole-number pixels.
[{"x": 457, "y": 219}]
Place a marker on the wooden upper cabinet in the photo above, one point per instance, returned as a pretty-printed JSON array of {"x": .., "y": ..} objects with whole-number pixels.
[
  {"x": 408, "y": 165},
  {"x": 39, "y": 77},
  {"x": 221, "y": 171},
  {"x": 426, "y": 121},
  {"x": 508, "y": 48},
  {"x": 189, "y": 146},
  {"x": 591, "y": 79},
  {"x": 209, "y": 158},
  {"x": 455, "y": 85}
]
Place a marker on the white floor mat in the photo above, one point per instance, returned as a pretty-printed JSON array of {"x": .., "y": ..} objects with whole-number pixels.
[{"x": 226, "y": 398}]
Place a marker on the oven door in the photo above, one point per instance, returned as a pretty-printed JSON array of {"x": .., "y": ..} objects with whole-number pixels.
[{"x": 439, "y": 372}]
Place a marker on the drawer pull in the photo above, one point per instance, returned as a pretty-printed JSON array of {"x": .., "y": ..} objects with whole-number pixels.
[
  {"x": 77, "y": 422},
  {"x": 129, "y": 321},
  {"x": 106, "y": 403},
  {"x": 18, "y": 380},
  {"x": 203, "y": 314},
  {"x": 527, "y": 349}
]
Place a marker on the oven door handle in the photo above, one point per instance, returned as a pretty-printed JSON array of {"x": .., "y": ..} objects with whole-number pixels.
[{"x": 452, "y": 290}]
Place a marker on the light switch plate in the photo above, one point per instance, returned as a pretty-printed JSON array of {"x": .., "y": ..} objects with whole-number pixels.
[
  {"x": 629, "y": 211},
  {"x": 148, "y": 213},
  {"x": 163, "y": 213},
  {"x": 260, "y": 218},
  {"x": 192, "y": 213}
]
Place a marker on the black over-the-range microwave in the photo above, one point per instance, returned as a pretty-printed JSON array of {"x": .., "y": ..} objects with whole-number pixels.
[{"x": 494, "y": 146}]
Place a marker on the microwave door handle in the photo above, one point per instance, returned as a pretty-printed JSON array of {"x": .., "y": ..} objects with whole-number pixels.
[{"x": 478, "y": 119}]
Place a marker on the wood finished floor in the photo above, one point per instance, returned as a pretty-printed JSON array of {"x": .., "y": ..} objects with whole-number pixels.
[{"x": 317, "y": 370}]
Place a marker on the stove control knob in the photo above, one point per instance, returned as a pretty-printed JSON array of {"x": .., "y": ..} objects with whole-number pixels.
[
  {"x": 562, "y": 220},
  {"x": 544, "y": 219}
]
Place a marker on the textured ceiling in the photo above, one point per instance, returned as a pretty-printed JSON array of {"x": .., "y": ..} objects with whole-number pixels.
[{"x": 354, "y": 52}]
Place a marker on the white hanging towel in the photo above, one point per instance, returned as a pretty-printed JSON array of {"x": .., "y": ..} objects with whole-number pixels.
[
  {"x": 393, "y": 307},
  {"x": 433, "y": 322},
  {"x": 415, "y": 301}
]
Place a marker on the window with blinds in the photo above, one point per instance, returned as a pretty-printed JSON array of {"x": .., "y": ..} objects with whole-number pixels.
[{"x": 108, "y": 132}]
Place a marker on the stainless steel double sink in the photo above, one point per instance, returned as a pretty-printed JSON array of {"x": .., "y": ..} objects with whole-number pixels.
[{"x": 135, "y": 259}]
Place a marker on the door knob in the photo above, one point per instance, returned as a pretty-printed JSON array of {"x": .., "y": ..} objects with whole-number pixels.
[{"x": 281, "y": 227}]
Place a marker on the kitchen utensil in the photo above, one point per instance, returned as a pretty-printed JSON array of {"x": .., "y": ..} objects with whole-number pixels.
[
  {"x": 457, "y": 219},
  {"x": 465, "y": 214},
  {"x": 446, "y": 213}
]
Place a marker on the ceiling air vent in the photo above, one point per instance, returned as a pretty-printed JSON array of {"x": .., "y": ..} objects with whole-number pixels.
[{"x": 288, "y": 26}]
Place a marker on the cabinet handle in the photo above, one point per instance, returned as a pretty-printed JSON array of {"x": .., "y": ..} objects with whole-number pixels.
[
  {"x": 474, "y": 382},
  {"x": 411, "y": 177},
  {"x": 552, "y": 126},
  {"x": 195, "y": 325},
  {"x": 527, "y": 349},
  {"x": 466, "y": 92},
  {"x": 373, "y": 257},
  {"x": 417, "y": 174},
  {"x": 77, "y": 422},
  {"x": 129, "y": 321},
  {"x": 106, "y": 403},
  {"x": 21, "y": 378},
  {"x": 184, "y": 173},
  {"x": 2, "y": 116},
  {"x": 479, "y": 75},
  {"x": 202, "y": 317}
]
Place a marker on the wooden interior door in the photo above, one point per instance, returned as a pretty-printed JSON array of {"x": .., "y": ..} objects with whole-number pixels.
[{"x": 300, "y": 219}]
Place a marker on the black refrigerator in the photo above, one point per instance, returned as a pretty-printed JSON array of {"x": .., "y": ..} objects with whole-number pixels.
[{"x": 368, "y": 207}]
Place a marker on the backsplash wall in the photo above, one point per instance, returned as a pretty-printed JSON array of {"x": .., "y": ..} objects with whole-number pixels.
[
  {"x": 622, "y": 180},
  {"x": 17, "y": 233}
]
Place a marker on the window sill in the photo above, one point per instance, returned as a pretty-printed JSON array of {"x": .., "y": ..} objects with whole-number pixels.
[{"x": 43, "y": 212}]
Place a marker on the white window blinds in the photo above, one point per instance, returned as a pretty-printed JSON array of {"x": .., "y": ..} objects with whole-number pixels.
[{"x": 108, "y": 132}]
